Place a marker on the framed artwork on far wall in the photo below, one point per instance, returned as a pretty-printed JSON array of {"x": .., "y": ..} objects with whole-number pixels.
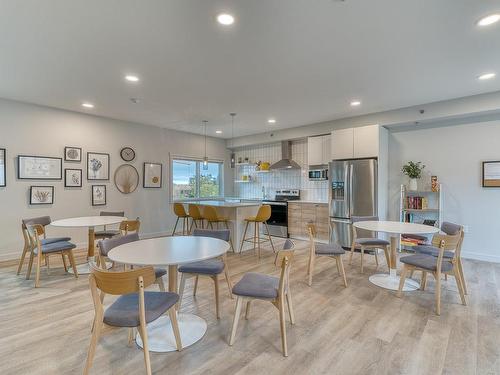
[
  {"x": 491, "y": 174},
  {"x": 72, "y": 177},
  {"x": 98, "y": 195},
  {"x": 39, "y": 168},
  {"x": 97, "y": 166},
  {"x": 152, "y": 175},
  {"x": 3, "y": 170},
  {"x": 41, "y": 195},
  {"x": 73, "y": 154}
]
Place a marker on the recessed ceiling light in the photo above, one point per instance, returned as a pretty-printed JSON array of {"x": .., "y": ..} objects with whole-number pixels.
[
  {"x": 271, "y": 121},
  {"x": 486, "y": 76},
  {"x": 489, "y": 20},
  {"x": 87, "y": 105},
  {"x": 225, "y": 19},
  {"x": 218, "y": 131},
  {"x": 132, "y": 78},
  {"x": 355, "y": 103}
]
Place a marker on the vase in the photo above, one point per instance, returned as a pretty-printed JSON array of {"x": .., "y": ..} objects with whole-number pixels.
[{"x": 413, "y": 184}]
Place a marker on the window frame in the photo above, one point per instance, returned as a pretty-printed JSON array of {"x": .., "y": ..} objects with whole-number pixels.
[{"x": 198, "y": 174}]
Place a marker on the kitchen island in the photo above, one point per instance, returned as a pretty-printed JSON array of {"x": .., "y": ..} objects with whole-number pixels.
[{"x": 236, "y": 211}]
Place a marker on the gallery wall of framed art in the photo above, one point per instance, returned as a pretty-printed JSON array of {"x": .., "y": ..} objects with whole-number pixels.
[{"x": 39, "y": 168}]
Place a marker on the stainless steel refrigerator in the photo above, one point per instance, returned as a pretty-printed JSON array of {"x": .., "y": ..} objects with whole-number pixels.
[{"x": 353, "y": 192}]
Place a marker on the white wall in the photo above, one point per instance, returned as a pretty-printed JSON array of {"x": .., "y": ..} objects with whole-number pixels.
[
  {"x": 35, "y": 130},
  {"x": 455, "y": 154}
]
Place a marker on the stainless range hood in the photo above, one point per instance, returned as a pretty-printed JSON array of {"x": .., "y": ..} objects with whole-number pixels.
[{"x": 286, "y": 161}]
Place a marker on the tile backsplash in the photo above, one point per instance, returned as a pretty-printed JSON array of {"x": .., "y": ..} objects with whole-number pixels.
[{"x": 274, "y": 180}]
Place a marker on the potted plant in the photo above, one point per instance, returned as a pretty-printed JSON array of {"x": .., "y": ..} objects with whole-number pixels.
[{"x": 414, "y": 171}]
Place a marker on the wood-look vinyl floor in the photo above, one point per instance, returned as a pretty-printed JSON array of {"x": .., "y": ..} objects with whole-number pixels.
[{"x": 361, "y": 329}]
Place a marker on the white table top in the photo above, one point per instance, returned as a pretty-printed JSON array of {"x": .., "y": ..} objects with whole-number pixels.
[
  {"x": 88, "y": 221},
  {"x": 396, "y": 227},
  {"x": 165, "y": 251}
]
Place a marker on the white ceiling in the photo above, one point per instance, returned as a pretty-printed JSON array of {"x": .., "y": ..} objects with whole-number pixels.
[{"x": 300, "y": 61}]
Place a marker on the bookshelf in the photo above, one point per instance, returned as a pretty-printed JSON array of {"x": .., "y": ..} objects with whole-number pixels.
[{"x": 415, "y": 207}]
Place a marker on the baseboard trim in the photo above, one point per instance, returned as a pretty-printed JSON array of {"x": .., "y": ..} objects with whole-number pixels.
[{"x": 481, "y": 256}]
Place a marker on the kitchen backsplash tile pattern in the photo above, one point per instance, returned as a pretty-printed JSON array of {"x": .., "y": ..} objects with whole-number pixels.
[{"x": 274, "y": 180}]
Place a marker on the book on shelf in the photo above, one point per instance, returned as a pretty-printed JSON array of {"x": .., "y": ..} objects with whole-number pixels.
[{"x": 417, "y": 203}]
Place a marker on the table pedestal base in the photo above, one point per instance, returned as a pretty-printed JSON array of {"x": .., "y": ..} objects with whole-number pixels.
[
  {"x": 84, "y": 269},
  {"x": 161, "y": 336},
  {"x": 391, "y": 281}
]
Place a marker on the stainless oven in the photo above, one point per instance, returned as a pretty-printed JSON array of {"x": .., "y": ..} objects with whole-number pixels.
[
  {"x": 318, "y": 174},
  {"x": 278, "y": 222}
]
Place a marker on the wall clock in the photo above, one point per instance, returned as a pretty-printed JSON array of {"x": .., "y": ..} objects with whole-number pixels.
[{"x": 127, "y": 154}]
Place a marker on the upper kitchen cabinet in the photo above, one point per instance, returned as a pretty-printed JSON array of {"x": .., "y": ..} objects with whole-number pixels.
[
  {"x": 354, "y": 143},
  {"x": 318, "y": 150}
]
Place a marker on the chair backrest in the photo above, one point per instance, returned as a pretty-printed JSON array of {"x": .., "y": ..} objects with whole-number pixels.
[
  {"x": 179, "y": 210},
  {"x": 194, "y": 212},
  {"x": 450, "y": 228},
  {"x": 361, "y": 232},
  {"x": 33, "y": 232},
  {"x": 452, "y": 239},
  {"x": 264, "y": 213},
  {"x": 118, "y": 283},
  {"x": 210, "y": 213},
  {"x": 127, "y": 226},
  {"x": 106, "y": 245},
  {"x": 42, "y": 220},
  {"x": 112, "y": 213},
  {"x": 221, "y": 234},
  {"x": 284, "y": 260}
]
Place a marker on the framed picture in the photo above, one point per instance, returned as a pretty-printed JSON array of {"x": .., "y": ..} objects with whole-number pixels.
[
  {"x": 72, "y": 177},
  {"x": 152, "y": 175},
  {"x": 491, "y": 173},
  {"x": 98, "y": 195},
  {"x": 39, "y": 168},
  {"x": 41, "y": 195},
  {"x": 126, "y": 179},
  {"x": 73, "y": 154},
  {"x": 3, "y": 170},
  {"x": 97, "y": 166}
]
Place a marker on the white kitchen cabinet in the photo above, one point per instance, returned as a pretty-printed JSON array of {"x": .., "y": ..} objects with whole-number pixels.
[
  {"x": 315, "y": 150},
  {"x": 327, "y": 143},
  {"x": 342, "y": 144},
  {"x": 366, "y": 141}
]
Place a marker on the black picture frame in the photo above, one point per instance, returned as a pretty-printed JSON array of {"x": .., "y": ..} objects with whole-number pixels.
[
  {"x": 89, "y": 177},
  {"x": 79, "y": 160},
  {"x": 3, "y": 153},
  {"x": 495, "y": 183},
  {"x": 32, "y": 202},
  {"x": 144, "y": 185},
  {"x": 20, "y": 176},
  {"x": 66, "y": 170},
  {"x": 94, "y": 203}
]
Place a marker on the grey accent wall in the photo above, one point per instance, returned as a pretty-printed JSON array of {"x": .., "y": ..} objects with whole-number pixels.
[{"x": 35, "y": 130}]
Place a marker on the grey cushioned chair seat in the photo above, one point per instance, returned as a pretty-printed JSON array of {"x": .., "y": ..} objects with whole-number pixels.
[
  {"x": 159, "y": 272},
  {"x": 431, "y": 250},
  {"x": 56, "y": 246},
  {"x": 107, "y": 233},
  {"x": 124, "y": 312},
  {"x": 45, "y": 241},
  {"x": 372, "y": 242},
  {"x": 257, "y": 285},
  {"x": 427, "y": 262},
  {"x": 328, "y": 249},
  {"x": 205, "y": 267}
]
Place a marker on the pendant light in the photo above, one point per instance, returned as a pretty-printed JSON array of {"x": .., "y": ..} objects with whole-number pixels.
[
  {"x": 205, "y": 158},
  {"x": 233, "y": 156}
]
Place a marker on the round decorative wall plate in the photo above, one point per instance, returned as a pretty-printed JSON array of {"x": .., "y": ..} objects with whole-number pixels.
[
  {"x": 126, "y": 178},
  {"x": 127, "y": 154}
]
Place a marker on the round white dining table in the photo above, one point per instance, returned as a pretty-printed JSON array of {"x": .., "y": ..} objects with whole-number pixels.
[
  {"x": 395, "y": 229},
  {"x": 170, "y": 252},
  {"x": 89, "y": 222}
]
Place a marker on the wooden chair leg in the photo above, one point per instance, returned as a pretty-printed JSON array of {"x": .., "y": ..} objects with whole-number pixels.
[
  {"x": 64, "y": 262},
  {"x": 247, "y": 310},
  {"x": 362, "y": 254},
  {"x": 145, "y": 346},
  {"x": 73, "y": 263},
  {"x": 161, "y": 284},
  {"x": 217, "y": 302},
  {"x": 243, "y": 238},
  {"x": 21, "y": 261},
  {"x": 96, "y": 333},
  {"x": 195, "y": 285},
  {"x": 30, "y": 265},
  {"x": 423, "y": 281},
  {"x": 290, "y": 306},
  {"x": 353, "y": 248},
  {"x": 411, "y": 274},
  {"x": 387, "y": 258},
  {"x": 311, "y": 269},
  {"x": 340, "y": 263},
  {"x": 47, "y": 263},
  {"x": 281, "y": 304},
  {"x": 38, "y": 266},
  {"x": 461, "y": 273},
  {"x": 460, "y": 286},
  {"x": 376, "y": 256},
  {"x": 175, "y": 226},
  {"x": 230, "y": 240},
  {"x": 175, "y": 327},
  {"x": 269, "y": 235},
  {"x": 438, "y": 293},
  {"x": 402, "y": 280},
  {"x": 255, "y": 238},
  {"x": 182, "y": 285},
  {"x": 237, "y": 312},
  {"x": 228, "y": 281},
  {"x": 130, "y": 336}
]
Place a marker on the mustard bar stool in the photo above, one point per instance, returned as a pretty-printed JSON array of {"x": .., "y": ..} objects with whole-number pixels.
[
  {"x": 196, "y": 217},
  {"x": 212, "y": 217},
  {"x": 180, "y": 212},
  {"x": 262, "y": 217}
]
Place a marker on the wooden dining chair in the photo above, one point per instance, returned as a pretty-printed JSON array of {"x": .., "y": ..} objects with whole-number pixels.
[
  {"x": 437, "y": 266},
  {"x": 180, "y": 212},
  {"x": 107, "y": 232},
  {"x": 263, "y": 215},
  {"x": 43, "y": 251},
  {"x": 210, "y": 267},
  {"x": 130, "y": 226},
  {"x": 212, "y": 217},
  {"x": 108, "y": 244},
  {"x": 267, "y": 288},
  {"x": 135, "y": 308},
  {"x": 43, "y": 221},
  {"x": 318, "y": 249},
  {"x": 370, "y": 242}
]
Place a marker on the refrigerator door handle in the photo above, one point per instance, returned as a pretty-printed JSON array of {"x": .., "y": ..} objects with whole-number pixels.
[
  {"x": 350, "y": 189},
  {"x": 347, "y": 188}
]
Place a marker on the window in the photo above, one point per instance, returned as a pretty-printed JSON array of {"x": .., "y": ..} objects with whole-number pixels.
[{"x": 191, "y": 181}]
